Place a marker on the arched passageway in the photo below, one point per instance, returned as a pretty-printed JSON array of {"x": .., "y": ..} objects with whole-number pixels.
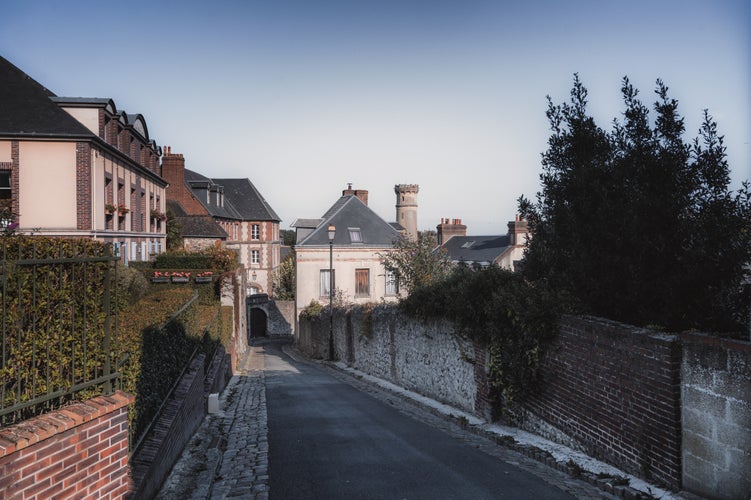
[{"x": 258, "y": 323}]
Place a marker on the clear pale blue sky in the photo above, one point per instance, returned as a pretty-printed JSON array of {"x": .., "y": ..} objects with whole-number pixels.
[{"x": 304, "y": 96}]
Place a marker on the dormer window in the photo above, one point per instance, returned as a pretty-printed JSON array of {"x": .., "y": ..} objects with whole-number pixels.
[{"x": 355, "y": 236}]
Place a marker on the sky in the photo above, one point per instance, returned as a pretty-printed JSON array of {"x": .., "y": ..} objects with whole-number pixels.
[{"x": 305, "y": 96}]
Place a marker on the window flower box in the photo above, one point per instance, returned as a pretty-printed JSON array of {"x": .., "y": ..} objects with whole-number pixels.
[
  {"x": 205, "y": 277},
  {"x": 122, "y": 210},
  {"x": 157, "y": 215},
  {"x": 178, "y": 277},
  {"x": 109, "y": 209},
  {"x": 160, "y": 277}
]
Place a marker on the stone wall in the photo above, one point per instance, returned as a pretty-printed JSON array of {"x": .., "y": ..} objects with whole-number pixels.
[
  {"x": 675, "y": 410},
  {"x": 281, "y": 317},
  {"x": 716, "y": 392},
  {"x": 80, "y": 451},
  {"x": 422, "y": 357}
]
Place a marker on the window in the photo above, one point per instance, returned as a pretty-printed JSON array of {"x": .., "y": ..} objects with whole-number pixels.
[
  {"x": 6, "y": 197},
  {"x": 392, "y": 284},
  {"x": 355, "y": 236},
  {"x": 255, "y": 257},
  {"x": 255, "y": 232},
  {"x": 362, "y": 282},
  {"x": 325, "y": 282}
]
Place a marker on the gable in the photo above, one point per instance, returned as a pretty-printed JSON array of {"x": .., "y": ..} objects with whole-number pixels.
[{"x": 356, "y": 226}]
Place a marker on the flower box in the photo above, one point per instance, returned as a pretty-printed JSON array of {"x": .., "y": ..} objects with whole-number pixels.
[
  {"x": 160, "y": 279},
  {"x": 203, "y": 279},
  {"x": 180, "y": 279}
]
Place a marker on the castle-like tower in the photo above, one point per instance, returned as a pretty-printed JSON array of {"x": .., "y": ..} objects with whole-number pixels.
[{"x": 406, "y": 208}]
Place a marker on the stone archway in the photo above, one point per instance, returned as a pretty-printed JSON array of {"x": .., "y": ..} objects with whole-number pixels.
[{"x": 258, "y": 324}]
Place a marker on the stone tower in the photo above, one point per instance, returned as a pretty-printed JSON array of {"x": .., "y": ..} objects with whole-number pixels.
[{"x": 406, "y": 208}]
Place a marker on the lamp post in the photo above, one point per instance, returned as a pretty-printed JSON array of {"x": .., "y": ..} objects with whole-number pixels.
[{"x": 332, "y": 233}]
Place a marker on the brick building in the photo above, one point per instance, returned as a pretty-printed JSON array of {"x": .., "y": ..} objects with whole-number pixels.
[
  {"x": 229, "y": 211},
  {"x": 78, "y": 167}
]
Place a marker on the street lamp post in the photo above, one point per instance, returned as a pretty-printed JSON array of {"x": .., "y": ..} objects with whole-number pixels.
[{"x": 332, "y": 233}]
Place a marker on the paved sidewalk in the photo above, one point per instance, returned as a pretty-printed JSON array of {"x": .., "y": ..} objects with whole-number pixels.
[{"x": 228, "y": 455}]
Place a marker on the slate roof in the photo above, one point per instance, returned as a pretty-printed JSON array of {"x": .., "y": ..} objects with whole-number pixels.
[
  {"x": 201, "y": 226},
  {"x": 246, "y": 200},
  {"x": 349, "y": 212},
  {"x": 241, "y": 198},
  {"x": 28, "y": 110},
  {"x": 476, "y": 249},
  {"x": 195, "y": 226},
  {"x": 307, "y": 223}
]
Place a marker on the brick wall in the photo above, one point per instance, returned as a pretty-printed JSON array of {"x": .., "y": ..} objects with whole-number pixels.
[
  {"x": 75, "y": 452},
  {"x": 615, "y": 390},
  {"x": 183, "y": 413},
  {"x": 716, "y": 392},
  {"x": 83, "y": 185}
]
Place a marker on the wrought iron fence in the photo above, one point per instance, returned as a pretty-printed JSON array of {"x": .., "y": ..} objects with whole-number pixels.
[{"x": 58, "y": 301}]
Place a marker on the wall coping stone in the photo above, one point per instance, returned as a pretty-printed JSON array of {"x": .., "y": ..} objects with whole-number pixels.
[{"x": 24, "y": 434}]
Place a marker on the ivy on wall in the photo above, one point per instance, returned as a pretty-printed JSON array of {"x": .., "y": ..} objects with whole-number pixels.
[{"x": 515, "y": 319}]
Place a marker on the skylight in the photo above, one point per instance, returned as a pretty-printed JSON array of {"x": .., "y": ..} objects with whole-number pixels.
[
  {"x": 468, "y": 244},
  {"x": 355, "y": 236}
]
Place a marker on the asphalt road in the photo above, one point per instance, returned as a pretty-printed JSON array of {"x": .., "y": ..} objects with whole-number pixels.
[{"x": 329, "y": 440}]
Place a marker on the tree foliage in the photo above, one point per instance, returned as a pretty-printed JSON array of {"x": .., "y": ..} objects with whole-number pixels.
[
  {"x": 636, "y": 224},
  {"x": 283, "y": 279},
  {"x": 288, "y": 237},
  {"x": 418, "y": 262},
  {"x": 174, "y": 232}
]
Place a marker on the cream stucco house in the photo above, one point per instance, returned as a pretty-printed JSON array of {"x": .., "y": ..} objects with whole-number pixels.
[
  {"x": 78, "y": 167},
  {"x": 361, "y": 238},
  {"x": 505, "y": 251}
]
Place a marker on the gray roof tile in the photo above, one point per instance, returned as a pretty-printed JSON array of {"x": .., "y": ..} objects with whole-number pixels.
[{"x": 349, "y": 212}]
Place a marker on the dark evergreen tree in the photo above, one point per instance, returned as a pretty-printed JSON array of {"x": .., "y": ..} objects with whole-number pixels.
[{"x": 637, "y": 225}]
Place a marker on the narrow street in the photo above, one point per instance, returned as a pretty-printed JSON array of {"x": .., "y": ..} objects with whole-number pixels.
[
  {"x": 328, "y": 439},
  {"x": 291, "y": 428}
]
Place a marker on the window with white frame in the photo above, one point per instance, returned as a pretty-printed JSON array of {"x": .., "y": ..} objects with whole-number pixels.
[
  {"x": 255, "y": 257},
  {"x": 6, "y": 198},
  {"x": 325, "y": 282},
  {"x": 355, "y": 236},
  {"x": 392, "y": 284},
  {"x": 255, "y": 232}
]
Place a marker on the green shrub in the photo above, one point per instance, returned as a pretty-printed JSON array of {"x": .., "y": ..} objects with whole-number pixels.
[
  {"x": 312, "y": 310},
  {"x": 132, "y": 285},
  {"x": 515, "y": 319},
  {"x": 54, "y": 316}
]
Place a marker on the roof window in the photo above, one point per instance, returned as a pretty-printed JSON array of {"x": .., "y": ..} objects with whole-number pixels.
[
  {"x": 468, "y": 244},
  {"x": 355, "y": 236}
]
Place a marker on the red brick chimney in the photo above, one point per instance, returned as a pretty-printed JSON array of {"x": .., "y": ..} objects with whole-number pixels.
[
  {"x": 173, "y": 171},
  {"x": 448, "y": 228},
  {"x": 518, "y": 231},
  {"x": 360, "y": 193}
]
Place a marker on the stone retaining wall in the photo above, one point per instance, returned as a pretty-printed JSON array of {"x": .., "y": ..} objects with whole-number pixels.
[{"x": 609, "y": 389}]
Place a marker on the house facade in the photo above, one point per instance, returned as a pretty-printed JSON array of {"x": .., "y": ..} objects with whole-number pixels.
[
  {"x": 231, "y": 212},
  {"x": 483, "y": 251},
  {"x": 361, "y": 238},
  {"x": 78, "y": 167}
]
